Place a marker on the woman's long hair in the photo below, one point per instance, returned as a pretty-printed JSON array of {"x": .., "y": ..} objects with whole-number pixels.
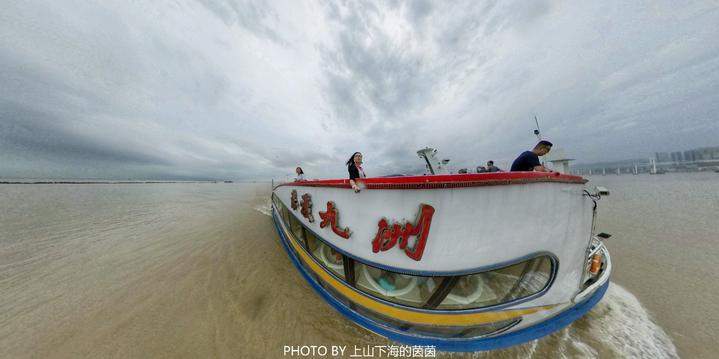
[
  {"x": 351, "y": 161},
  {"x": 301, "y": 171}
]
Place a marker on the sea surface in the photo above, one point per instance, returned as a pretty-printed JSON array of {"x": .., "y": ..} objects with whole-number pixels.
[{"x": 196, "y": 270}]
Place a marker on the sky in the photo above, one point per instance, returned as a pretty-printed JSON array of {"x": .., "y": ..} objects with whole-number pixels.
[{"x": 251, "y": 89}]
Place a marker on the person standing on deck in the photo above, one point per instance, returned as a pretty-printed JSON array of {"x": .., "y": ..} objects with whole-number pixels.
[
  {"x": 354, "y": 167},
  {"x": 529, "y": 160},
  {"x": 491, "y": 167},
  {"x": 300, "y": 174}
]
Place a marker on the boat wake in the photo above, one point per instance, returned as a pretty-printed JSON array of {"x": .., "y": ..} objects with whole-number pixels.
[
  {"x": 264, "y": 208},
  {"x": 622, "y": 324},
  {"x": 619, "y": 326}
]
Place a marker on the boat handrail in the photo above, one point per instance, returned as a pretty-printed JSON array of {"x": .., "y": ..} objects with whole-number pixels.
[{"x": 444, "y": 181}]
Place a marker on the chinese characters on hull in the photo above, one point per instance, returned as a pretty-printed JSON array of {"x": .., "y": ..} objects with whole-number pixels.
[
  {"x": 388, "y": 236},
  {"x": 307, "y": 207},
  {"x": 329, "y": 217},
  {"x": 293, "y": 200}
]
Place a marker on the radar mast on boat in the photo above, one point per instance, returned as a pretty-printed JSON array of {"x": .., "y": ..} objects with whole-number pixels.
[{"x": 434, "y": 165}]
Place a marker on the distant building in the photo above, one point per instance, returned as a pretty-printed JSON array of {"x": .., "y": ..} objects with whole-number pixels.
[
  {"x": 662, "y": 157},
  {"x": 689, "y": 156},
  {"x": 702, "y": 154},
  {"x": 677, "y": 157},
  {"x": 697, "y": 159},
  {"x": 709, "y": 153}
]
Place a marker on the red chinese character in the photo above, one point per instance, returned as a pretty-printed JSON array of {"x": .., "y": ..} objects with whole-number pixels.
[
  {"x": 307, "y": 207},
  {"x": 293, "y": 200},
  {"x": 329, "y": 217},
  {"x": 387, "y": 237}
]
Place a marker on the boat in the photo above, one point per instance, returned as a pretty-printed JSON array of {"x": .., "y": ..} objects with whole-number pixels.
[{"x": 461, "y": 262}]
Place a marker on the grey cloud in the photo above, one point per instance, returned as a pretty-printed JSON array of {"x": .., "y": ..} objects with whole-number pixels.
[
  {"x": 29, "y": 133},
  {"x": 285, "y": 155},
  {"x": 518, "y": 15},
  {"x": 419, "y": 10},
  {"x": 384, "y": 80},
  {"x": 155, "y": 90},
  {"x": 380, "y": 78},
  {"x": 255, "y": 16}
]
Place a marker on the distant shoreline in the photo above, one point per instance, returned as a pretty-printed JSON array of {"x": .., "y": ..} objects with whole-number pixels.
[{"x": 106, "y": 182}]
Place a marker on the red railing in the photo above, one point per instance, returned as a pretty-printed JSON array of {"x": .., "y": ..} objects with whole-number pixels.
[{"x": 445, "y": 181}]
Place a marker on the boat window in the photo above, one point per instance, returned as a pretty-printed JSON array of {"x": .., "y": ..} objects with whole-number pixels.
[
  {"x": 284, "y": 213},
  {"x": 296, "y": 228},
  {"x": 470, "y": 291},
  {"x": 276, "y": 200},
  {"x": 399, "y": 288},
  {"x": 500, "y": 286},
  {"x": 324, "y": 254},
  {"x": 283, "y": 210}
]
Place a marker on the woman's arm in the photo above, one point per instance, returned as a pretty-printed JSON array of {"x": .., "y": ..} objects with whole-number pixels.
[
  {"x": 354, "y": 186},
  {"x": 354, "y": 174}
]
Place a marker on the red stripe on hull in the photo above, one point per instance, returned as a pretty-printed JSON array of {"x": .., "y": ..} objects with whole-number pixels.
[{"x": 445, "y": 181}]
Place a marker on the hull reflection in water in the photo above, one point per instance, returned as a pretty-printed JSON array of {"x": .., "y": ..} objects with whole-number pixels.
[{"x": 461, "y": 262}]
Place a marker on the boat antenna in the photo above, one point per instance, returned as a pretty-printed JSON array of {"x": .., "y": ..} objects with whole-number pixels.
[{"x": 536, "y": 131}]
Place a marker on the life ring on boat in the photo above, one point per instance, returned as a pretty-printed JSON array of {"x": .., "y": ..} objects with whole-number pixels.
[
  {"x": 328, "y": 262},
  {"x": 411, "y": 284},
  {"x": 471, "y": 297}
]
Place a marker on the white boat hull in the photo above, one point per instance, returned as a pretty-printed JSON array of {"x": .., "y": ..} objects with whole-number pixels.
[{"x": 478, "y": 226}]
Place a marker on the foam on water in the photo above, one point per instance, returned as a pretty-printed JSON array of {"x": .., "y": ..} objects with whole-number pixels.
[
  {"x": 618, "y": 327},
  {"x": 264, "y": 208},
  {"x": 622, "y": 324}
]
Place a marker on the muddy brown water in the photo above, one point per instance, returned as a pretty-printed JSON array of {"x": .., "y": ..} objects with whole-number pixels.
[{"x": 196, "y": 270}]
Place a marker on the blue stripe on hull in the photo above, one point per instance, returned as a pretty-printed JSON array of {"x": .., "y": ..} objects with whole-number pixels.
[{"x": 446, "y": 344}]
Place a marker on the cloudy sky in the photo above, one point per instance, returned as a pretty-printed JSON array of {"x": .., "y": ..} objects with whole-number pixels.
[{"x": 250, "y": 89}]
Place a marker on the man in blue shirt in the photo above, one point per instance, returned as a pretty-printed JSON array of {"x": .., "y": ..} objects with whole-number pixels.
[{"x": 529, "y": 160}]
